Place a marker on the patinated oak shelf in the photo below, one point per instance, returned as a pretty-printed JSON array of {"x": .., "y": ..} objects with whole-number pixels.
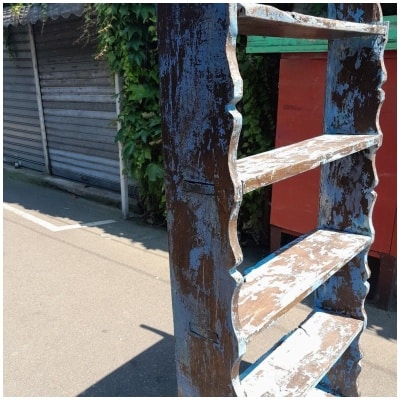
[
  {"x": 262, "y": 20},
  {"x": 292, "y": 367},
  {"x": 272, "y": 166},
  {"x": 286, "y": 277}
]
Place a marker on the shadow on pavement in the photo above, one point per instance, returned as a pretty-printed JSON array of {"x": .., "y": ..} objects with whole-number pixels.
[
  {"x": 62, "y": 205},
  {"x": 150, "y": 374},
  {"x": 61, "y": 208}
]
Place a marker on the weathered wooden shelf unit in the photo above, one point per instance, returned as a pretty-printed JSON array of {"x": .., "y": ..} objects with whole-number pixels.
[{"x": 217, "y": 309}]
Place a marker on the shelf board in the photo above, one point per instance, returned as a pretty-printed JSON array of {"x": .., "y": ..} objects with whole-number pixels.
[
  {"x": 284, "y": 162},
  {"x": 286, "y": 277},
  {"x": 301, "y": 360},
  {"x": 263, "y": 20}
]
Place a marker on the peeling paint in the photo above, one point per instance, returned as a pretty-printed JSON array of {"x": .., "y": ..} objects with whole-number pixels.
[
  {"x": 290, "y": 275},
  {"x": 272, "y": 166},
  {"x": 217, "y": 309},
  {"x": 294, "y": 366},
  {"x": 263, "y": 20}
]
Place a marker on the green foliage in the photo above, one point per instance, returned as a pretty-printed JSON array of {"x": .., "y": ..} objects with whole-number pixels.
[
  {"x": 258, "y": 107},
  {"x": 127, "y": 39},
  {"x": 16, "y": 9}
]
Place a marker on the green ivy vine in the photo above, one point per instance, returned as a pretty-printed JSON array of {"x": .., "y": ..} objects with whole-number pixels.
[
  {"x": 128, "y": 41},
  {"x": 258, "y": 107},
  {"x": 16, "y": 9}
]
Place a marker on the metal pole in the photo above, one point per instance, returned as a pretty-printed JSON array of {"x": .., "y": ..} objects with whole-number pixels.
[
  {"x": 39, "y": 99},
  {"x": 122, "y": 176}
]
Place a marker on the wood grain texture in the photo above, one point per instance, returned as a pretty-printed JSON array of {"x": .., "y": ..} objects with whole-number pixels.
[
  {"x": 284, "y": 162},
  {"x": 297, "y": 363},
  {"x": 216, "y": 309},
  {"x": 277, "y": 283},
  {"x": 200, "y": 86},
  {"x": 263, "y": 20},
  {"x": 353, "y": 100}
]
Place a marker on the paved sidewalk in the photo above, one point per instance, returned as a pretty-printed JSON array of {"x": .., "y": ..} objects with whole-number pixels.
[{"x": 87, "y": 304}]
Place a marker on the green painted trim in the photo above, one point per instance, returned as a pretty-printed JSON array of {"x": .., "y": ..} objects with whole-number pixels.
[{"x": 264, "y": 44}]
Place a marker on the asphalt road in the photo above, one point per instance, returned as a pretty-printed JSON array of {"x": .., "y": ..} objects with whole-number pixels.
[
  {"x": 87, "y": 304},
  {"x": 86, "y": 310}
]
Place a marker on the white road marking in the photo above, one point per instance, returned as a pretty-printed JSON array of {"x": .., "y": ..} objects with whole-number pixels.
[{"x": 51, "y": 227}]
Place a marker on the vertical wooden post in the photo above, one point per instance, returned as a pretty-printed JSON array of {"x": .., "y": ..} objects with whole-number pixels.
[
  {"x": 353, "y": 100},
  {"x": 39, "y": 99},
  {"x": 200, "y": 85}
]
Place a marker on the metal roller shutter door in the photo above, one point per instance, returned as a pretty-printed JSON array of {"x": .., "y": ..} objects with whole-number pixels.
[
  {"x": 22, "y": 140},
  {"x": 79, "y": 105}
]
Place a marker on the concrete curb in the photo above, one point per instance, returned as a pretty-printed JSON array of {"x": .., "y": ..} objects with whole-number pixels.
[{"x": 79, "y": 189}]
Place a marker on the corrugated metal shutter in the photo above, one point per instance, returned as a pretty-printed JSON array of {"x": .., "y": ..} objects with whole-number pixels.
[
  {"x": 22, "y": 140},
  {"x": 79, "y": 105}
]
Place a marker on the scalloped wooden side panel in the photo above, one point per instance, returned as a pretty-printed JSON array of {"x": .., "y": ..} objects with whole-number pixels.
[
  {"x": 353, "y": 100},
  {"x": 200, "y": 86}
]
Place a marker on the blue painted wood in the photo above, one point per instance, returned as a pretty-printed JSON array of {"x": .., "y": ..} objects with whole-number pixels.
[
  {"x": 200, "y": 86},
  {"x": 353, "y": 99}
]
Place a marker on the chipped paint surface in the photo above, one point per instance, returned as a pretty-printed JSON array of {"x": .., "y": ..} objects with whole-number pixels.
[
  {"x": 200, "y": 86},
  {"x": 216, "y": 308},
  {"x": 263, "y": 20},
  {"x": 272, "y": 166},
  {"x": 292, "y": 274},
  {"x": 354, "y": 98},
  {"x": 295, "y": 366}
]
